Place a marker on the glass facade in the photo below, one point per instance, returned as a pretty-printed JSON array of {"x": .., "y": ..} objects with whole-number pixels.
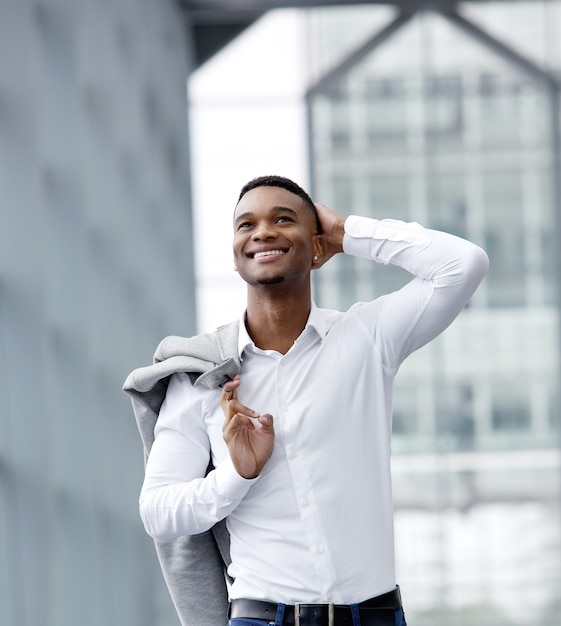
[{"x": 435, "y": 127}]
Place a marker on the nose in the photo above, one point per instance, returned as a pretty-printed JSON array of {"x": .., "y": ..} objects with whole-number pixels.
[{"x": 264, "y": 230}]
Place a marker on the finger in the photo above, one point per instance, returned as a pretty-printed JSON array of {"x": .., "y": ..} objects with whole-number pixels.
[
  {"x": 236, "y": 408},
  {"x": 235, "y": 423},
  {"x": 230, "y": 403},
  {"x": 229, "y": 389},
  {"x": 228, "y": 395},
  {"x": 231, "y": 385}
]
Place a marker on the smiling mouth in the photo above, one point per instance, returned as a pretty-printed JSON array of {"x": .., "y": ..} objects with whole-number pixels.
[{"x": 266, "y": 253}]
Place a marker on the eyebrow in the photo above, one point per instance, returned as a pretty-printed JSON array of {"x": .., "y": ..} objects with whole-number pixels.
[{"x": 274, "y": 209}]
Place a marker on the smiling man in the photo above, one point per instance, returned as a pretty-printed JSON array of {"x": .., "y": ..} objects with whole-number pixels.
[
  {"x": 274, "y": 213},
  {"x": 299, "y": 435}
]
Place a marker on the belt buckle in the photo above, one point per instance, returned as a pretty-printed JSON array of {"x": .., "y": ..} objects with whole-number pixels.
[{"x": 330, "y": 612}]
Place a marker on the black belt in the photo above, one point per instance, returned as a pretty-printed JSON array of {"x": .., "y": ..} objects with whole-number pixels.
[{"x": 378, "y": 611}]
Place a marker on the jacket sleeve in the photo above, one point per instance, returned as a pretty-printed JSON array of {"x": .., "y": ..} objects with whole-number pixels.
[{"x": 446, "y": 271}]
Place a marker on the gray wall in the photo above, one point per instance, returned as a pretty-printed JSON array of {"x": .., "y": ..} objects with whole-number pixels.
[{"x": 96, "y": 265}]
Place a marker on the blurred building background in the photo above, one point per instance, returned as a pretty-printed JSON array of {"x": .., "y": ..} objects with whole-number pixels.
[
  {"x": 431, "y": 121},
  {"x": 450, "y": 119}
]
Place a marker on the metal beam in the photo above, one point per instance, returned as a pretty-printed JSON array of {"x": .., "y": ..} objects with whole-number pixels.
[
  {"x": 209, "y": 39},
  {"x": 506, "y": 52},
  {"x": 346, "y": 65}
]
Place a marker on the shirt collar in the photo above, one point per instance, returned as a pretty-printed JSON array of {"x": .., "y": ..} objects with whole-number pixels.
[{"x": 316, "y": 321}]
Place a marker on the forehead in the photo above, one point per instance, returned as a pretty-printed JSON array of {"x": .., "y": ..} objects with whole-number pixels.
[{"x": 266, "y": 198}]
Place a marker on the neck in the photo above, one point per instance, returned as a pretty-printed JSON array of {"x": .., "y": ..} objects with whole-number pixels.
[{"x": 275, "y": 319}]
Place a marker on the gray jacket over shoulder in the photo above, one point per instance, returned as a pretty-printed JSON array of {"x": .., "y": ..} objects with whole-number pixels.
[{"x": 194, "y": 566}]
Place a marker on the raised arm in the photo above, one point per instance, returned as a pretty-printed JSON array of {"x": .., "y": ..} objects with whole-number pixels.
[{"x": 446, "y": 271}]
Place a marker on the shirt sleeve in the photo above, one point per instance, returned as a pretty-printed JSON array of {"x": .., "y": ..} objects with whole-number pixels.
[
  {"x": 446, "y": 271},
  {"x": 176, "y": 498}
]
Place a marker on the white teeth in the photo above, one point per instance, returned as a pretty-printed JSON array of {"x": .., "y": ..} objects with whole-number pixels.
[{"x": 267, "y": 253}]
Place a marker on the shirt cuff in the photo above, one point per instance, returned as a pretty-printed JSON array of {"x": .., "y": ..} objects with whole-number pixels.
[{"x": 229, "y": 483}]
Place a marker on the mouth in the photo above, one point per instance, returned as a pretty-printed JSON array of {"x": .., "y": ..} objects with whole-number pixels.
[{"x": 263, "y": 254}]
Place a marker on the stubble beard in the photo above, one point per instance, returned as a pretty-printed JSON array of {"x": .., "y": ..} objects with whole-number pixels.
[{"x": 272, "y": 280}]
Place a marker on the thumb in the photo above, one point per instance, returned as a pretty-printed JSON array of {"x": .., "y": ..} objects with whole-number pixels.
[{"x": 266, "y": 421}]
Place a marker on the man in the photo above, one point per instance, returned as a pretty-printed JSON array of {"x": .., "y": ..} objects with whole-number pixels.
[{"x": 300, "y": 438}]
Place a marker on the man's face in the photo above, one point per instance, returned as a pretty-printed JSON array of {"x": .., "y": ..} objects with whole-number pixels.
[{"x": 274, "y": 236}]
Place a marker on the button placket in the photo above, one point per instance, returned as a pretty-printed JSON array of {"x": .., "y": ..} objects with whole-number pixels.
[{"x": 298, "y": 468}]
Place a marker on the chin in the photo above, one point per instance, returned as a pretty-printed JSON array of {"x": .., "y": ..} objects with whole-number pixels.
[{"x": 272, "y": 280}]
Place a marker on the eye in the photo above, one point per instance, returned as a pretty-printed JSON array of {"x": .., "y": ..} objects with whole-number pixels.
[
  {"x": 244, "y": 225},
  {"x": 283, "y": 218}
]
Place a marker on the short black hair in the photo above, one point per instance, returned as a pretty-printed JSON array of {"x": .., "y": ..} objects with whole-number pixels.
[{"x": 284, "y": 183}]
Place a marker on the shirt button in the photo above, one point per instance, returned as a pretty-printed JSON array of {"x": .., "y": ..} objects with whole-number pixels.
[
  {"x": 306, "y": 502},
  {"x": 292, "y": 454},
  {"x": 285, "y": 407},
  {"x": 317, "y": 549}
]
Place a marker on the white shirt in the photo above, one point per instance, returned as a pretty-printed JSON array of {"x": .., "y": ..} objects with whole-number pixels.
[{"x": 317, "y": 524}]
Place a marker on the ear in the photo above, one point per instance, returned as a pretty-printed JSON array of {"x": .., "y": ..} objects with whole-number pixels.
[{"x": 317, "y": 259}]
